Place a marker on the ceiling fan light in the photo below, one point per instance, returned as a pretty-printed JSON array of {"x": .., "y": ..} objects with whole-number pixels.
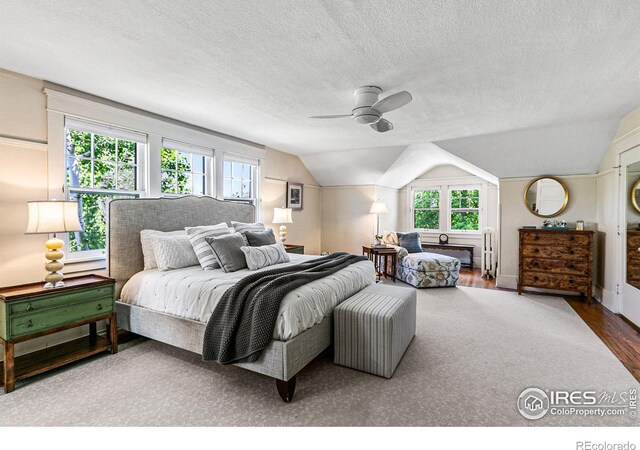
[{"x": 367, "y": 118}]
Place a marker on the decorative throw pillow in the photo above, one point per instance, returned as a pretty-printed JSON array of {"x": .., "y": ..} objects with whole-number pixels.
[
  {"x": 266, "y": 255},
  {"x": 241, "y": 227},
  {"x": 260, "y": 238},
  {"x": 410, "y": 241},
  {"x": 226, "y": 249},
  {"x": 173, "y": 252},
  {"x": 202, "y": 249},
  {"x": 390, "y": 237},
  {"x": 148, "y": 254}
]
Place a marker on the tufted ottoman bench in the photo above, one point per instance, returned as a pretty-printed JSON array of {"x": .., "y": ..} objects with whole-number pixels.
[{"x": 373, "y": 328}]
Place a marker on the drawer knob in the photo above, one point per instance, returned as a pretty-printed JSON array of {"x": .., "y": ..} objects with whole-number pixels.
[
  {"x": 536, "y": 238},
  {"x": 29, "y": 323},
  {"x": 29, "y": 307},
  {"x": 571, "y": 252},
  {"x": 99, "y": 306},
  {"x": 572, "y": 238},
  {"x": 535, "y": 278},
  {"x": 536, "y": 250},
  {"x": 639, "y": 249},
  {"x": 571, "y": 266},
  {"x": 571, "y": 281}
]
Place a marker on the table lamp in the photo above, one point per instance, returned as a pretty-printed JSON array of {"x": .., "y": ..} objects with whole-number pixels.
[
  {"x": 282, "y": 216},
  {"x": 378, "y": 207},
  {"x": 51, "y": 217}
]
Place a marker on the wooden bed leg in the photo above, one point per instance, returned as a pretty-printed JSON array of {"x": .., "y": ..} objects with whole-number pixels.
[{"x": 286, "y": 389}]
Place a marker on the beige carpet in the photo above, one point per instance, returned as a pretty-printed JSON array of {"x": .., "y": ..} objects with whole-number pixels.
[{"x": 474, "y": 352}]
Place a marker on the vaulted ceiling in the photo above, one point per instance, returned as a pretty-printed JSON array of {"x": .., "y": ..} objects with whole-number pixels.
[{"x": 514, "y": 87}]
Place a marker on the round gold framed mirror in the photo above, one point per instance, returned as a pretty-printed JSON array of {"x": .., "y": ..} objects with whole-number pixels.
[
  {"x": 548, "y": 196},
  {"x": 635, "y": 195}
]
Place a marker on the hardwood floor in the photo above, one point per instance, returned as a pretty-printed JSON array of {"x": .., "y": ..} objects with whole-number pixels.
[{"x": 620, "y": 336}]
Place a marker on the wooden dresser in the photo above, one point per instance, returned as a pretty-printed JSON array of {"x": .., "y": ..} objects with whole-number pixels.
[
  {"x": 633, "y": 258},
  {"x": 556, "y": 259}
]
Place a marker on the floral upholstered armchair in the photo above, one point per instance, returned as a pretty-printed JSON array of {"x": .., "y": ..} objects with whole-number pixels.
[{"x": 422, "y": 269}]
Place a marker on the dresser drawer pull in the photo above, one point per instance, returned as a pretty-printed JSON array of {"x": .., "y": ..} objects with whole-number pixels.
[
  {"x": 536, "y": 250},
  {"x": 29, "y": 323},
  {"x": 571, "y": 252},
  {"x": 29, "y": 307},
  {"x": 572, "y": 238},
  {"x": 536, "y": 237},
  {"x": 535, "y": 278},
  {"x": 571, "y": 281},
  {"x": 534, "y": 263},
  {"x": 571, "y": 266},
  {"x": 639, "y": 249},
  {"x": 99, "y": 306}
]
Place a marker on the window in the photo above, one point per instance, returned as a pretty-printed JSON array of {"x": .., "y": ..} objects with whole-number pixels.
[
  {"x": 240, "y": 181},
  {"x": 102, "y": 163},
  {"x": 182, "y": 173},
  {"x": 426, "y": 209},
  {"x": 464, "y": 209}
]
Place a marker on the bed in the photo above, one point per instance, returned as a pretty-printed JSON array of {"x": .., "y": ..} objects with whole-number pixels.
[{"x": 173, "y": 307}]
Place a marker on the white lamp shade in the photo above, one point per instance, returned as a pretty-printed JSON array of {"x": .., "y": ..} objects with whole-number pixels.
[
  {"x": 282, "y": 215},
  {"x": 53, "y": 217},
  {"x": 378, "y": 207}
]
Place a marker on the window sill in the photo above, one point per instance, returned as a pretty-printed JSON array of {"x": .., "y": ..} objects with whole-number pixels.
[
  {"x": 456, "y": 234},
  {"x": 85, "y": 264}
]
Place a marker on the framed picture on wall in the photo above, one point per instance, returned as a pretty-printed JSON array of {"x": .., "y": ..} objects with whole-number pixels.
[{"x": 294, "y": 195}]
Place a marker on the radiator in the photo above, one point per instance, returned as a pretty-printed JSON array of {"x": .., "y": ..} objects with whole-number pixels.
[{"x": 489, "y": 252}]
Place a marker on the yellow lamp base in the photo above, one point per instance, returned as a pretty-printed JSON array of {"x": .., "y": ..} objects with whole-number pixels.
[
  {"x": 54, "y": 266},
  {"x": 283, "y": 233}
]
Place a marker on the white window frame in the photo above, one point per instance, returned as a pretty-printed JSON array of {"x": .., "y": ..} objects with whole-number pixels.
[
  {"x": 95, "y": 128},
  {"x": 255, "y": 178},
  {"x": 445, "y": 186},
  {"x": 194, "y": 150},
  {"x": 412, "y": 208},
  {"x": 62, "y": 102},
  {"x": 450, "y": 210}
]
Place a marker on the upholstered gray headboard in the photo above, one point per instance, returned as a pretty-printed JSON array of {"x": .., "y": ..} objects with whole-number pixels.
[{"x": 127, "y": 217}]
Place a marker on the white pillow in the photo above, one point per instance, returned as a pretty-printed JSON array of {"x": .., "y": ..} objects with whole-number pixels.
[
  {"x": 201, "y": 247},
  {"x": 173, "y": 252},
  {"x": 265, "y": 255},
  {"x": 147, "y": 245}
]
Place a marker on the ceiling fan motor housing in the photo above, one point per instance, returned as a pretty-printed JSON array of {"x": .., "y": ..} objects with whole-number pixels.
[{"x": 366, "y": 96}]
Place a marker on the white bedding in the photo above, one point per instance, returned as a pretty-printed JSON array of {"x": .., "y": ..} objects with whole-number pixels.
[{"x": 193, "y": 293}]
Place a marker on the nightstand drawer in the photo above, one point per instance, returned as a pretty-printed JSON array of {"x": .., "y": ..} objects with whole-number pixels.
[
  {"x": 63, "y": 299},
  {"x": 296, "y": 250},
  {"x": 59, "y": 316}
]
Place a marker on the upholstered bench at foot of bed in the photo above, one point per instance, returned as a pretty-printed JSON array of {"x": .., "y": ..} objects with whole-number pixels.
[{"x": 373, "y": 329}]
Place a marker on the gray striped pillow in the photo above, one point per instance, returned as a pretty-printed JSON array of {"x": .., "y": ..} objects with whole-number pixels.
[
  {"x": 197, "y": 236},
  {"x": 266, "y": 255},
  {"x": 241, "y": 227}
]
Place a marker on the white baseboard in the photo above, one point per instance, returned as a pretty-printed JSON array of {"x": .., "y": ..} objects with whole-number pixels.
[{"x": 507, "y": 281}]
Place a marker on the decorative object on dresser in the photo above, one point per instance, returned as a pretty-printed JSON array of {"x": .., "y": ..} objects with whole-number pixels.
[
  {"x": 282, "y": 216},
  {"x": 546, "y": 196},
  {"x": 51, "y": 217},
  {"x": 556, "y": 259},
  {"x": 384, "y": 259},
  {"x": 378, "y": 207},
  {"x": 294, "y": 195},
  {"x": 293, "y": 248},
  {"x": 29, "y": 311},
  {"x": 633, "y": 258},
  {"x": 469, "y": 249}
]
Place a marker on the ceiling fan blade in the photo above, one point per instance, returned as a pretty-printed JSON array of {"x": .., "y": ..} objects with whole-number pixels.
[
  {"x": 382, "y": 125},
  {"x": 335, "y": 116},
  {"x": 395, "y": 101}
]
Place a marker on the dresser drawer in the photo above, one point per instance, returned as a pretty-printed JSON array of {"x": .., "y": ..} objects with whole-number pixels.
[
  {"x": 555, "y": 281},
  {"x": 36, "y": 321},
  {"x": 542, "y": 238},
  {"x": 559, "y": 252},
  {"x": 633, "y": 240},
  {"x": 51, "y": 301},
  {"x": 578, "y": 267}
]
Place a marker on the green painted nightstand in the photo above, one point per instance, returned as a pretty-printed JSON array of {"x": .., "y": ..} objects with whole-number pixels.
[
  {"x": 291, "y": 248},
  {"x": 29, "y": 311}
]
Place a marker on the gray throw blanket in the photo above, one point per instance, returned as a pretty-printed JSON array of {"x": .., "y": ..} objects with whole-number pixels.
[{"x": 244, "y": 319}]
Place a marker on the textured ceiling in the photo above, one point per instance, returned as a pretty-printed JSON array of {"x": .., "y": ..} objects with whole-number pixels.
[{"x": 501, "y": 70}]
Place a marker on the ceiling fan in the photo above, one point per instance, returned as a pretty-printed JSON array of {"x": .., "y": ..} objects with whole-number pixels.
[{"x": 369, "y": 109}]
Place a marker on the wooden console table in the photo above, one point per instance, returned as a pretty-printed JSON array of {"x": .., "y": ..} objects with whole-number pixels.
[{"x": 460, "y": 247}]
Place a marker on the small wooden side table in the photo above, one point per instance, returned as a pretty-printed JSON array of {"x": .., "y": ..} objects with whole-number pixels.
[
  {"x": 28, "y": 311},
  {"x": 379, "y": 257},
  {"x": 293, "y": 248}
]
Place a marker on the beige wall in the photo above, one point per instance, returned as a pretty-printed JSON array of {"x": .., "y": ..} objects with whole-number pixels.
[
  {"x": 279, "y": 168},
  {"x": 346, "y": 222},
  {"x": 514, "y": 214}
]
